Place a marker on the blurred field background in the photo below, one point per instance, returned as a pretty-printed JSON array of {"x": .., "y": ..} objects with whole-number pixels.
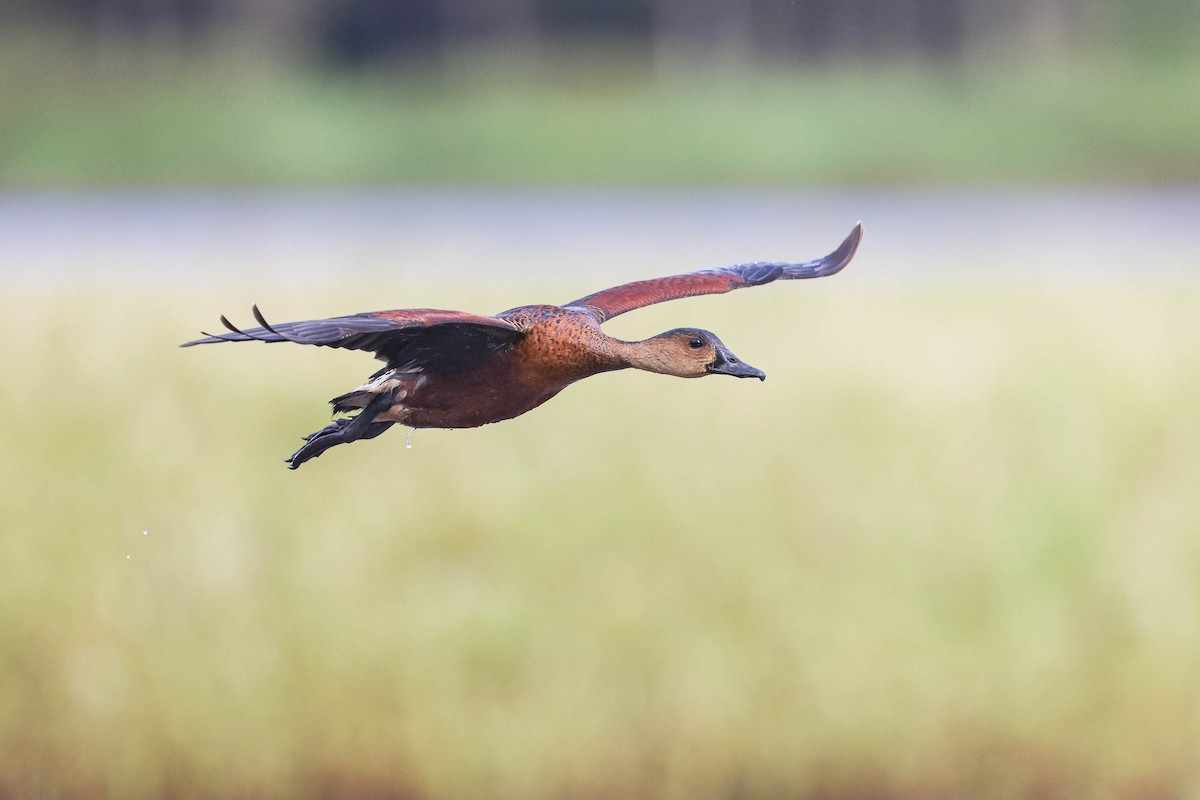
[{"x": 951, "y": 548}]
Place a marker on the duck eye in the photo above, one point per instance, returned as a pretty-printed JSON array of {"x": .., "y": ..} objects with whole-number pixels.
[{"x": 696, "y": 343}]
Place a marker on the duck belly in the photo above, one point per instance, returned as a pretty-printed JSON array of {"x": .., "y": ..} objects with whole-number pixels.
[{"x": 467, "y": 400}]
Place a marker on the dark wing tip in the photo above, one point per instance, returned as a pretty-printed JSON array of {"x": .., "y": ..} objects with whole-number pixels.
[
  {"x": 267, "y": 333},
  {"x": 838, "y": 259},
  {"x": 258, "y": 315},
  {"x": 850, "y": 244},
  {"x": 830, "y": 264},
  {"x": 211, "y": 338}
]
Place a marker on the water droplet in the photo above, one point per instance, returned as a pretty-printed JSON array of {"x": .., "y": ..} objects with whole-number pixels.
[{"x": 407, "y": 443}]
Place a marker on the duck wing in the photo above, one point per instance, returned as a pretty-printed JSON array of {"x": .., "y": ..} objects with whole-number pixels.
[
  {"x": 606, "y": 304},
  {"x": 403, "y": 338}
]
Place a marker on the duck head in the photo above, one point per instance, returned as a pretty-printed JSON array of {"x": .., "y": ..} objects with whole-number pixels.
[{"x": 694, "y": 353}]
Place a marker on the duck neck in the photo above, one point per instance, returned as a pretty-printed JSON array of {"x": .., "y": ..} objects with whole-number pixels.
[{"x": 647, "y": 354}]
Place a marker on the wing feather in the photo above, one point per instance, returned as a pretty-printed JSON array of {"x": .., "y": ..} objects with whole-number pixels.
[
  {"x": 402, "y": 337},
  {"x": 608, "y": 303}
]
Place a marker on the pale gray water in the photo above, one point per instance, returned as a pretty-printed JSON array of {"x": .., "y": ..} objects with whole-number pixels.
[{"x": 191, "y": 236}]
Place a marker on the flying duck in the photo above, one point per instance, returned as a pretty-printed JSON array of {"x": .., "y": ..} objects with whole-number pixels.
[{"x": 451, "y": 369}]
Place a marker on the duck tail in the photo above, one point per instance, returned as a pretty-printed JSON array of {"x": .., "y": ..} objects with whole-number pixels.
[
  {"x": 349, "y": 401},
  {"x": 382, "y": 382},
  {"x": 344, "y": 431}
]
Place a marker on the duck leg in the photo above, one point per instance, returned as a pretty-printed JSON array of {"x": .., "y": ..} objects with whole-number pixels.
[{"x": 344, "y": 431}]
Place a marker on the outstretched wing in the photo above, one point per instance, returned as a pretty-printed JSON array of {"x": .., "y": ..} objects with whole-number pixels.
[
  {"x": 403, "y": 338},
  {"x": 606, "y": 304}
]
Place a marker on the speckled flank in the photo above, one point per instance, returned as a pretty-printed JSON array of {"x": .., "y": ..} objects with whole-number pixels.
[{"x": 563, "y": 344}]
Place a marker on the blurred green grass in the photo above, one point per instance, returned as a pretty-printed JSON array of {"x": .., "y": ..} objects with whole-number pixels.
[
  {"x": 245, "y": 117},
  {"x": 950, "y": 548}
]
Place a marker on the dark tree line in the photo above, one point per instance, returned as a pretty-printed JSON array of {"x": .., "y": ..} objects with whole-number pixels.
[{"x": 363, "y": 31}]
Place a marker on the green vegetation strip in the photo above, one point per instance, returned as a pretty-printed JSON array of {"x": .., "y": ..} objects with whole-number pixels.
[{"x": 219, "y": 121}]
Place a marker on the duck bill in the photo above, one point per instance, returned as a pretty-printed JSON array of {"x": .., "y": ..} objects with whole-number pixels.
[{"x": 729, "y": 364}]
